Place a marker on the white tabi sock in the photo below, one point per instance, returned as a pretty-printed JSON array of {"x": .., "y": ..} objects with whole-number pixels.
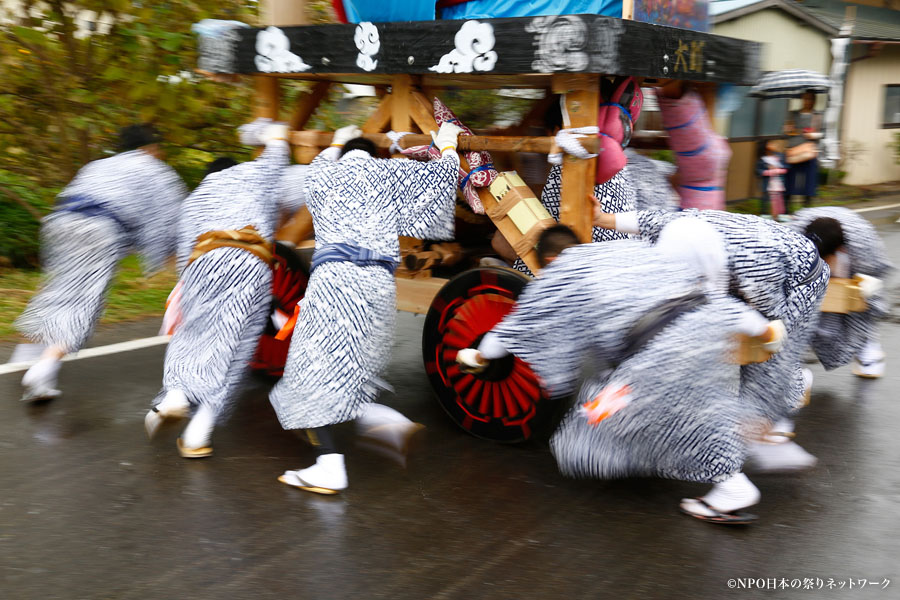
[
  {"x": 387, "y": 427},
  {"x": 328, "y": 473},
  {"x": 733, "y": 494},
  {"x": 780, "y": 457},
  {"x": 199, "y": 431},
  {"x": 42, "y": 374},
  {"x": 871, "y": 352},
  {"x": 174, "y": 404},
  {"x": 379, "y": 414}
]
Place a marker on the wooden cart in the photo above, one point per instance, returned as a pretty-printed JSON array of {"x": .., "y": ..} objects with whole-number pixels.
[{"x": 411, "y": 62}]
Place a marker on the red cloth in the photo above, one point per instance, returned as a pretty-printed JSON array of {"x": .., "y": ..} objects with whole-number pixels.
[{"x": 339, "y": 11}]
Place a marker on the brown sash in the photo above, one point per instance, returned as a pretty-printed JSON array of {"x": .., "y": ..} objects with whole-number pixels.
[{"x": 246, "y": 238}]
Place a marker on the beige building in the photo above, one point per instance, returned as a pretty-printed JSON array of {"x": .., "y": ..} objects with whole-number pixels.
[{"x": 797, "y": 35}]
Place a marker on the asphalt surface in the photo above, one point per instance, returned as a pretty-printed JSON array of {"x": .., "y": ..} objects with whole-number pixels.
[{"x": 90, "y": 509}]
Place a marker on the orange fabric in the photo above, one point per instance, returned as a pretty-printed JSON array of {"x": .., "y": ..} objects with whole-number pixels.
[
  {"x": 608, "y": 402},
  {"x": 288, "y": 327}
]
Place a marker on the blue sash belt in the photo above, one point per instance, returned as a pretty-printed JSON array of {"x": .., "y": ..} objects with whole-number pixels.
[
  {"x": 89, "y": 208},
  {"x": 354, "y": 254}
]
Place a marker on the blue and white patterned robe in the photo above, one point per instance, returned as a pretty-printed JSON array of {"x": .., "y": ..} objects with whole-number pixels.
[
  {"x": 777, "y": 272},
  {"x": 840, "y": 337},
  {"x": 141, "y": 197},
  {"x": 226, "y": 293},
  {"x": 616, "y": 195},
  {"x": 650, "y": 179},
  {"x": 343, "y": 336},
  {"x": 684, "y": 420}
]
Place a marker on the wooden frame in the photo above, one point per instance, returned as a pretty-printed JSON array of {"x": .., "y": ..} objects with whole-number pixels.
[{"x": 414, "y": 67}]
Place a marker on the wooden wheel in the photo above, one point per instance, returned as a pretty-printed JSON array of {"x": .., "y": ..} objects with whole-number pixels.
[
  {"x": 289, "y": 279},
  {"x": 504, "y": 403}
]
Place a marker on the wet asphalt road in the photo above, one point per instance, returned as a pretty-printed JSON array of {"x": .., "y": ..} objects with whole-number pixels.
[{"x": 90, "y": 509}]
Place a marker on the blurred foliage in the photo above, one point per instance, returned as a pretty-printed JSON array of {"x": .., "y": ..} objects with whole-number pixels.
[
  {"x": 131, "y": 294},
  {"x": 664, "y": 155},
  {"x": 22, "y": 203},
  {"x": 73, "y": 73},
  {"x": 483, "y": 109}
]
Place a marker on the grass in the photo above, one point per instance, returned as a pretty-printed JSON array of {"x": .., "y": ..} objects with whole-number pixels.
[{"x": 132, "y": 295}]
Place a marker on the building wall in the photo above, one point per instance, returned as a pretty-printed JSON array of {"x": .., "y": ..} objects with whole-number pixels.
[
  {"x": 861, "y": 130},
  {"x": 788, "y": 43}
]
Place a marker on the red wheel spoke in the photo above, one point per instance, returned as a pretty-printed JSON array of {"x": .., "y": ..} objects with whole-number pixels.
[
  {"x": 497, "y": 401},
  {"x": 512, "y": 408}
]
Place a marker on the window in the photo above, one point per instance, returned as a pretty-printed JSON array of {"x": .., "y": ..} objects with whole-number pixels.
[
  {"x": 891, "y": 106},
  {"x": 751, "y": 117}
]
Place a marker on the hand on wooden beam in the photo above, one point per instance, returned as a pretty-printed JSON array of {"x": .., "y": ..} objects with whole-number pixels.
[
  {"x": 446, "y": 137},
  {"x": 345, "y": 134},
  {"x": 602, "y": 219}
]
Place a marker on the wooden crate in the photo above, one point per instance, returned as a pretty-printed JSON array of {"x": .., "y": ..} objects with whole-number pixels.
[
  {"x": 750, "y": 350},
  {"x": 843, "y": 296}
]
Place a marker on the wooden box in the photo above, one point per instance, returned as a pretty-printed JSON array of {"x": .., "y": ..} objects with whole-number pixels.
[
  {"x": 516, "y": 202},
  {"x": 843, "y": 296},
  {"x": 750, "y": 350}
]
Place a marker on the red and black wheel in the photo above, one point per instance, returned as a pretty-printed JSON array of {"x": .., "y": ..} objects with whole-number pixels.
[
  {"x": 289, "y": 279},
  {"x": 506, "y": 402}
]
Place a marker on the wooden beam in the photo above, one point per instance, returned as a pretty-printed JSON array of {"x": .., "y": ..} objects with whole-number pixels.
[
  {"x": 380, "y": 119},
  {"x": 582, "y": 98},
  {"x": 416, "y": 295},
  {"x": 467, "y": 143},
  {"x": 307, "y": 104},
  {"x": 267, "y": 97},
  {"x": 422, "y": 113},
  {"x": 401, "y": 88},
  {"x": 282, "y": 13},
  {"x": 635, "y": 49},
  {"x": 299, "y": 228}
]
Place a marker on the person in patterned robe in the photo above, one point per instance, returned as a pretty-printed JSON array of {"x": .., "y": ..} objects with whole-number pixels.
[
  {"x": 128, "y": 202},
  {"x": 855, "y": 251},
  {"x": 668, "y": 404},
  {"x": 779, "y": 273},
  {"x": 650, "y": 179},
  {"x": 224, "y": 294},
  {"x": 359, "y": 205}
]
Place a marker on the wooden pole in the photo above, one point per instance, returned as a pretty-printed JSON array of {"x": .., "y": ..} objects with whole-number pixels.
[
  {"x": 628, "y": 9},
  {"x": 267, "y": 97},
  {"x": 401, "y": 91},
  {"x": 379, "y": 119},
  {"x": 298, "y": 228},
  {"x": 467, "y": 143},
  {"x": 582, "y": 98},
  {"x": 266, "y": 100},
  {"x": 282, "y": 13},
  {"x": 308, "y": 103}
]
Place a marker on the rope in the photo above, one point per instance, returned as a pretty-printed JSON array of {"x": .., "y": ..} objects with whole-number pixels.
[
  {"x": 567, "y": 139},
  {"x": 395, "y": 137}
]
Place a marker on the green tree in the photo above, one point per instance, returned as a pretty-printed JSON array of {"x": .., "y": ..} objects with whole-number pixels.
[{"x": 72, "y": 73}]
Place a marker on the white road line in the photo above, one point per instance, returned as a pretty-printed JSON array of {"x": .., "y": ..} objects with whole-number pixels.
[
  {"x": 93, "y": 352},
  {"x": 871, "y": 208}
]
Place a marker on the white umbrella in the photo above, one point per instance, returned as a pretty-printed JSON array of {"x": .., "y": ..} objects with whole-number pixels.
[{"x": 790, "y": 84}]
